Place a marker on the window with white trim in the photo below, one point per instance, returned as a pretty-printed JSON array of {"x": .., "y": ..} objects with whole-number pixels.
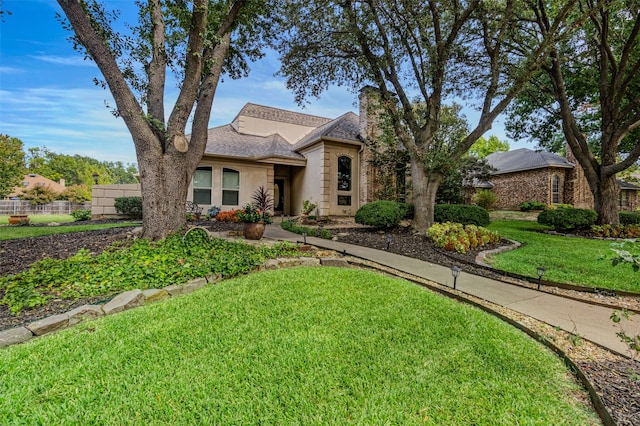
[
  {"x": 230, "y": 187},
  {"x": 202, "y": 183},
  {"x": 555, "y": 189}
]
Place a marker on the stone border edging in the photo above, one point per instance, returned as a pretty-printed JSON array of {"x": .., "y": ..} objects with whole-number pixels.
[{"x": 134, "y": 298}]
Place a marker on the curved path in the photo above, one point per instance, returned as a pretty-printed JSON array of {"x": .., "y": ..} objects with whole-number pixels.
[{"x": 589, "y": 321}]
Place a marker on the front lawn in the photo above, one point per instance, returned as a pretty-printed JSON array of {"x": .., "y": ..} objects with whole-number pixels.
[
  {"x": 568, "y": 260},
  {"x": 42, "y": 218},
  {"x": 299, "y": 346},
  {"x": 13, "y": 232}
]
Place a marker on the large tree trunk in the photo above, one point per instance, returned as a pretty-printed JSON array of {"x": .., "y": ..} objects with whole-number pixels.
[
  {"x": 165, "y": 180},
  {"x": 424, "y": 188},
  {"x": 605, "y": 199}
]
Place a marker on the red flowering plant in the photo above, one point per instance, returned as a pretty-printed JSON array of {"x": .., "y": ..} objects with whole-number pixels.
[{"x": 251, "y": 214}]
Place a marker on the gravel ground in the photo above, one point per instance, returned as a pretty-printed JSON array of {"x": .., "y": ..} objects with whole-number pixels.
[{"x": 615, "y": 378}]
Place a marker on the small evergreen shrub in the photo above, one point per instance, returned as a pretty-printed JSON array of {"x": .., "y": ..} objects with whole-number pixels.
[
  {"x": 630, "y": 218},
  {"x": 380, "y": 214},
  {"x": 485, "y": 198},
  {"x": 568, "y": 219},
  {"x": 461, "y": 213},
  {"x": 288, "y": 225},
  {"x": 455, "y": 236},
  {"x": 129, "y": 206},
  {"x": 80, "y": 215},
  {"x": 213, "y": 211},
  {"x": 408, "y": 209},
  {"x": 528, "y": 206}
]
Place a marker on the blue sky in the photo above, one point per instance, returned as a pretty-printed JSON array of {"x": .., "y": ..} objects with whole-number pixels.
[{"x": 47, "y": 95}]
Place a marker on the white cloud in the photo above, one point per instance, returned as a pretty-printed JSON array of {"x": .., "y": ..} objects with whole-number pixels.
[{"x": 75, "y": 60}]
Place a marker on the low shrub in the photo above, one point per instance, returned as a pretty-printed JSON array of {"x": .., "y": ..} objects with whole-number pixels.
[
  {"x": 461, "y": 213},
  {"x": 528, "y": 206},
  {"x": 213, "y": 211},
  {"x": 129, "y": 206},
  {"x": 568, "y": 219},
  {"x": 460, "y": 238},
  {"x": 485, "y": 198},
  {"x": 630, "y": 218},
  {"x": 408, "y": 209},
  {"x": 80, "y": 215},
  {"x": 288, "y": 225},
  {"x": 228, "y": 216},
  {"x": 380, "y": 214},
  {"x": 617, "y": 231}
]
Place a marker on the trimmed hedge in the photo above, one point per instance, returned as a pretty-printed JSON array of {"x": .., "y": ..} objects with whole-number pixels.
[
  {"x": 380, "y": 214},
  {"x": 528, "y": 206},
  {"x": 129, "y": 206},
  {"x": 461, "y": 213},
  {"x": 630, "y": 218},
  {"x": 568, "y": 219}
]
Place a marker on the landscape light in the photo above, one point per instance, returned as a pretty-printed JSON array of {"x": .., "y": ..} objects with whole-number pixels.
[
  {"x": 304, "y": 236},
  {"x": 455, "y": 271},
  {"x": 389, "y": 239},
  {"x": 541, "y": 272},
  {"x": 95, "y": 177}
]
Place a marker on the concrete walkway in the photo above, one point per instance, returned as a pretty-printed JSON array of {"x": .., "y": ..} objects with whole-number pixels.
[{"x": 588, "y": 321}]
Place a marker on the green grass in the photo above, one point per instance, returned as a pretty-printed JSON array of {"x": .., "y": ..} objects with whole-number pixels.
[
  {"x": 310, "y": 346},
  {"x": 567, "y": 260},
  {"x": 42, "y": 218},
  {"x": 13, "y": 232}
]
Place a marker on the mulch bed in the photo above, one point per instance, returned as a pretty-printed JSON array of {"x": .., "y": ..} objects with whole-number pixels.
[{"x": 616, "y": 379}]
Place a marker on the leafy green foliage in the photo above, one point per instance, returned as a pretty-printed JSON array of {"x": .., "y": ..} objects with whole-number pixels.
[
  {"x": 460, "y": 238},
  {"x": 632, "y": 342},
  {"x": 12, "y": 166},
  {"x": 483, "y": 147},
  {"x": 630, "y": 218},
  {"x": 616, "y": 231},
  {"x": 39, "y": 194},
  {"x": 380, "y": 214},
  {"x": 289, "y": 225},
  {"x": 485, "y": 198},
  {"x": 76, "y": 193},
  {"x": 129, "y": 206},
  {"x": 80, "y": 215},
  {"x": 528, "y": 206},
  {"x": 79, "y": 170},
  {"x": 250, "y": 213},
  {"x": 308, "y": 206},
  {"x": 461, "y": 213},
  {"x": 568, "y": 219},
  {"x": 626, "y": 252},
  {"x": 141, "y": 264}
]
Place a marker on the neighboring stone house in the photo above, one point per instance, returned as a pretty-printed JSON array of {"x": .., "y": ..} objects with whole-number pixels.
[
  {"x": 525, "y": 175},
  {"x": 298, "y": 156},
  {"x": 33, "y": 180}
]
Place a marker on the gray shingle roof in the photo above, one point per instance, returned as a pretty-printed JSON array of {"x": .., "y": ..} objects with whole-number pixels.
[
  {"x": 525, "y": 159},
  {"x": 226, "y": 141},
  {"x": 281, "y": 115},
  {"x": 627, "y": 185},
  {"x": 345, "y": 128}
]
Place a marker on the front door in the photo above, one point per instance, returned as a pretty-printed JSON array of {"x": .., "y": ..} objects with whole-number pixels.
[{"x": 278, "y": 197}]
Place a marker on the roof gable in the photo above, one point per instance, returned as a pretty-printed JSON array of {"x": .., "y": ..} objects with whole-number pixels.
[
  {"x": 280, "y": 116},
  {"x": 344, "y": 128}
]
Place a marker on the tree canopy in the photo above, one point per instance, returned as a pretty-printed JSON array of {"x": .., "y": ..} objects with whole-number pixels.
[
  {"x": 589, "y": 97},
  {"x": 12, "y": 166},
  {"x": 417, "y": 53},
  {"x": 195, "y": 41},
  {"x": 483, "y": 147}
]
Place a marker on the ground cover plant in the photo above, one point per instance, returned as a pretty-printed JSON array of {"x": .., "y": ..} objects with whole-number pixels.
[
  {"x": 297, "y": 346},
  {"x": 135, "y": 264},
  {"x": 566, "y": 259}
]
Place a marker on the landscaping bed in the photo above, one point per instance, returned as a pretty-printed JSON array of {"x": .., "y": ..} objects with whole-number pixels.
[{"x": 610, "y": 377}]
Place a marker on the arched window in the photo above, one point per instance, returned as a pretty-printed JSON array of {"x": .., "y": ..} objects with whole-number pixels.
[
  {"x": 230, "y": 187},
  {"x": 344, "y": 180},
  {"x": 555, "y": 189}
]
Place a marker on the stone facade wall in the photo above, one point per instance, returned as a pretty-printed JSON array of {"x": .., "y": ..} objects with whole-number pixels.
[
  {"x": 577, "y": 188},
  {"x": 511, "y": 189},
  {"x": 103, "y": 197}
]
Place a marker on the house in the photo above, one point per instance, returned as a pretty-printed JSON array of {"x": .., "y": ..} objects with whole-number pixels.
[
  {"x": 525, "y": 175},
  {"x": 33, "y": 180},
  {"x": 299, "y": 156}
]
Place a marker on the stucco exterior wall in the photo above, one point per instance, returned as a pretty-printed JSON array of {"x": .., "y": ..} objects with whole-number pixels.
[
  {"x": 103, "y": 197},
  {"x": 261, "y": 127},
  {"x": 252, "y": 176},
  {"x": 310, "y": 183}
]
